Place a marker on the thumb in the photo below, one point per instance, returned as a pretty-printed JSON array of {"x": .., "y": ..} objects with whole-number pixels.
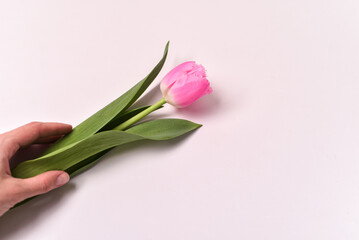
[{"x": 43, "y": 183}]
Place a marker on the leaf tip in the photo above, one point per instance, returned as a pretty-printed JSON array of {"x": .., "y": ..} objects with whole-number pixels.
[
  {"x": 167, "y": 46},
  {"x": 197, "y": 125}
]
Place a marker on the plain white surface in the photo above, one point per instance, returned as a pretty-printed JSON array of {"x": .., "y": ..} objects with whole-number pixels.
[{"x": 277, "y": 157}]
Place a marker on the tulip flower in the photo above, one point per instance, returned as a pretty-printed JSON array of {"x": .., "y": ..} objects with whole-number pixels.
[
  {"x": 185, "y": 84},
  {"x": 182, "y": 86}
]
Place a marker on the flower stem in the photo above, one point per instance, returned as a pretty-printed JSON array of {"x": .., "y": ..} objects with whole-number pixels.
[{"x": 141, "y": 115}]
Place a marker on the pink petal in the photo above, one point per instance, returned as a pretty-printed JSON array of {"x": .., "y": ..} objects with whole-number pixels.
[{"x": 185, "y": 84}]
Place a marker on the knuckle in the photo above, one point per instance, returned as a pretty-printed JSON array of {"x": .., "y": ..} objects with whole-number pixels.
[
  {"x": 2, "y": 139},
  {"x": 14, "y": 192},
  {"x": 35, "y": 127},
  {"x": 34, "y": 124},
  {"x": 8, "y": 146},
  {"x": 44, "y": 186},
  {"x": 9, "y": 141}
]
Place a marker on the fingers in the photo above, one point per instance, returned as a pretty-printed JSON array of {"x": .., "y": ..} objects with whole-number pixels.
[
  {"x": 14, "y": 190},
  {"x": 11, "y": 141},
  {"x": 29, "y": 133},
  {"x": 40, "y": 184},
  {"x": 50, "y": 139}
]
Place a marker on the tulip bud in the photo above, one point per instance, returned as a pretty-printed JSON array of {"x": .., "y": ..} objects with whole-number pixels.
[{"x": 185, "y": 84}]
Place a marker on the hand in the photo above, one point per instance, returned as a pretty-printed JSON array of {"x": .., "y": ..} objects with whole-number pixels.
[{"x": 14, "y": 190}]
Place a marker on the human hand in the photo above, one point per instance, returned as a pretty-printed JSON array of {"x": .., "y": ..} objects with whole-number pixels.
[{"x": 14, "y": 190}]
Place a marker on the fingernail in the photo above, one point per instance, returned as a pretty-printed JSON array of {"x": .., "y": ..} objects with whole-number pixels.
[{"x": 62, "y": 179}]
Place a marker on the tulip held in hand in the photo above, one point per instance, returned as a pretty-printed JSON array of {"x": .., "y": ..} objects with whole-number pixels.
[{"x": 94, "y": 137}]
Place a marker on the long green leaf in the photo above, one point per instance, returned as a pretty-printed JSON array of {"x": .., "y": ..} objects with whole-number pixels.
[
  {"x": 113, "y": 110},
  {"x": 86, "y": 164},
  {"x": 162, "y": 129},
  {"x": 122, "y": 118},
  {"x": 90, "y": 161}
]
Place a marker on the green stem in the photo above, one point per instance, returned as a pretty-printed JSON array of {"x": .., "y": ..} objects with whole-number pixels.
[{"x": 141, "y": 115}]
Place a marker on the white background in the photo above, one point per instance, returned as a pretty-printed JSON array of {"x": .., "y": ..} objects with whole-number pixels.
[{"x": 277, "y": 157}]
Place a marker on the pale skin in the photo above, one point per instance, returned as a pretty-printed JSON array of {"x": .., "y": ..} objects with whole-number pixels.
[{"x": 14, "y": 190}]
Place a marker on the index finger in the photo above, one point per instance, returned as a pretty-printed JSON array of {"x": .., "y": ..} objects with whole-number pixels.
[{"x": 11, "y": 141}]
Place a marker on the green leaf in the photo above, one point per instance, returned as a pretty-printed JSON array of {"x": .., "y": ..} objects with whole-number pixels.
[
  {"x": 163, "y": 129},
  {"x": 112, "y": 111},
  {"x": 89, "y": 162},
  {"x": 66, "y": 159},
  {"x": 86, "y": 164},
  {"x": 124, "y": 117},
  {"x": 176, "y": 130}
]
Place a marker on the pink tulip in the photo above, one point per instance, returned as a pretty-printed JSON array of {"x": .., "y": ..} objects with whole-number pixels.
[
  {"x": 180, "y": 87},
  {"x": 185, "y": 84}
]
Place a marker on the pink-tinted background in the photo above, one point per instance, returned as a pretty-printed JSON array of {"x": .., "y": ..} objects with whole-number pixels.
[{"x": 278, "y": 155}]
